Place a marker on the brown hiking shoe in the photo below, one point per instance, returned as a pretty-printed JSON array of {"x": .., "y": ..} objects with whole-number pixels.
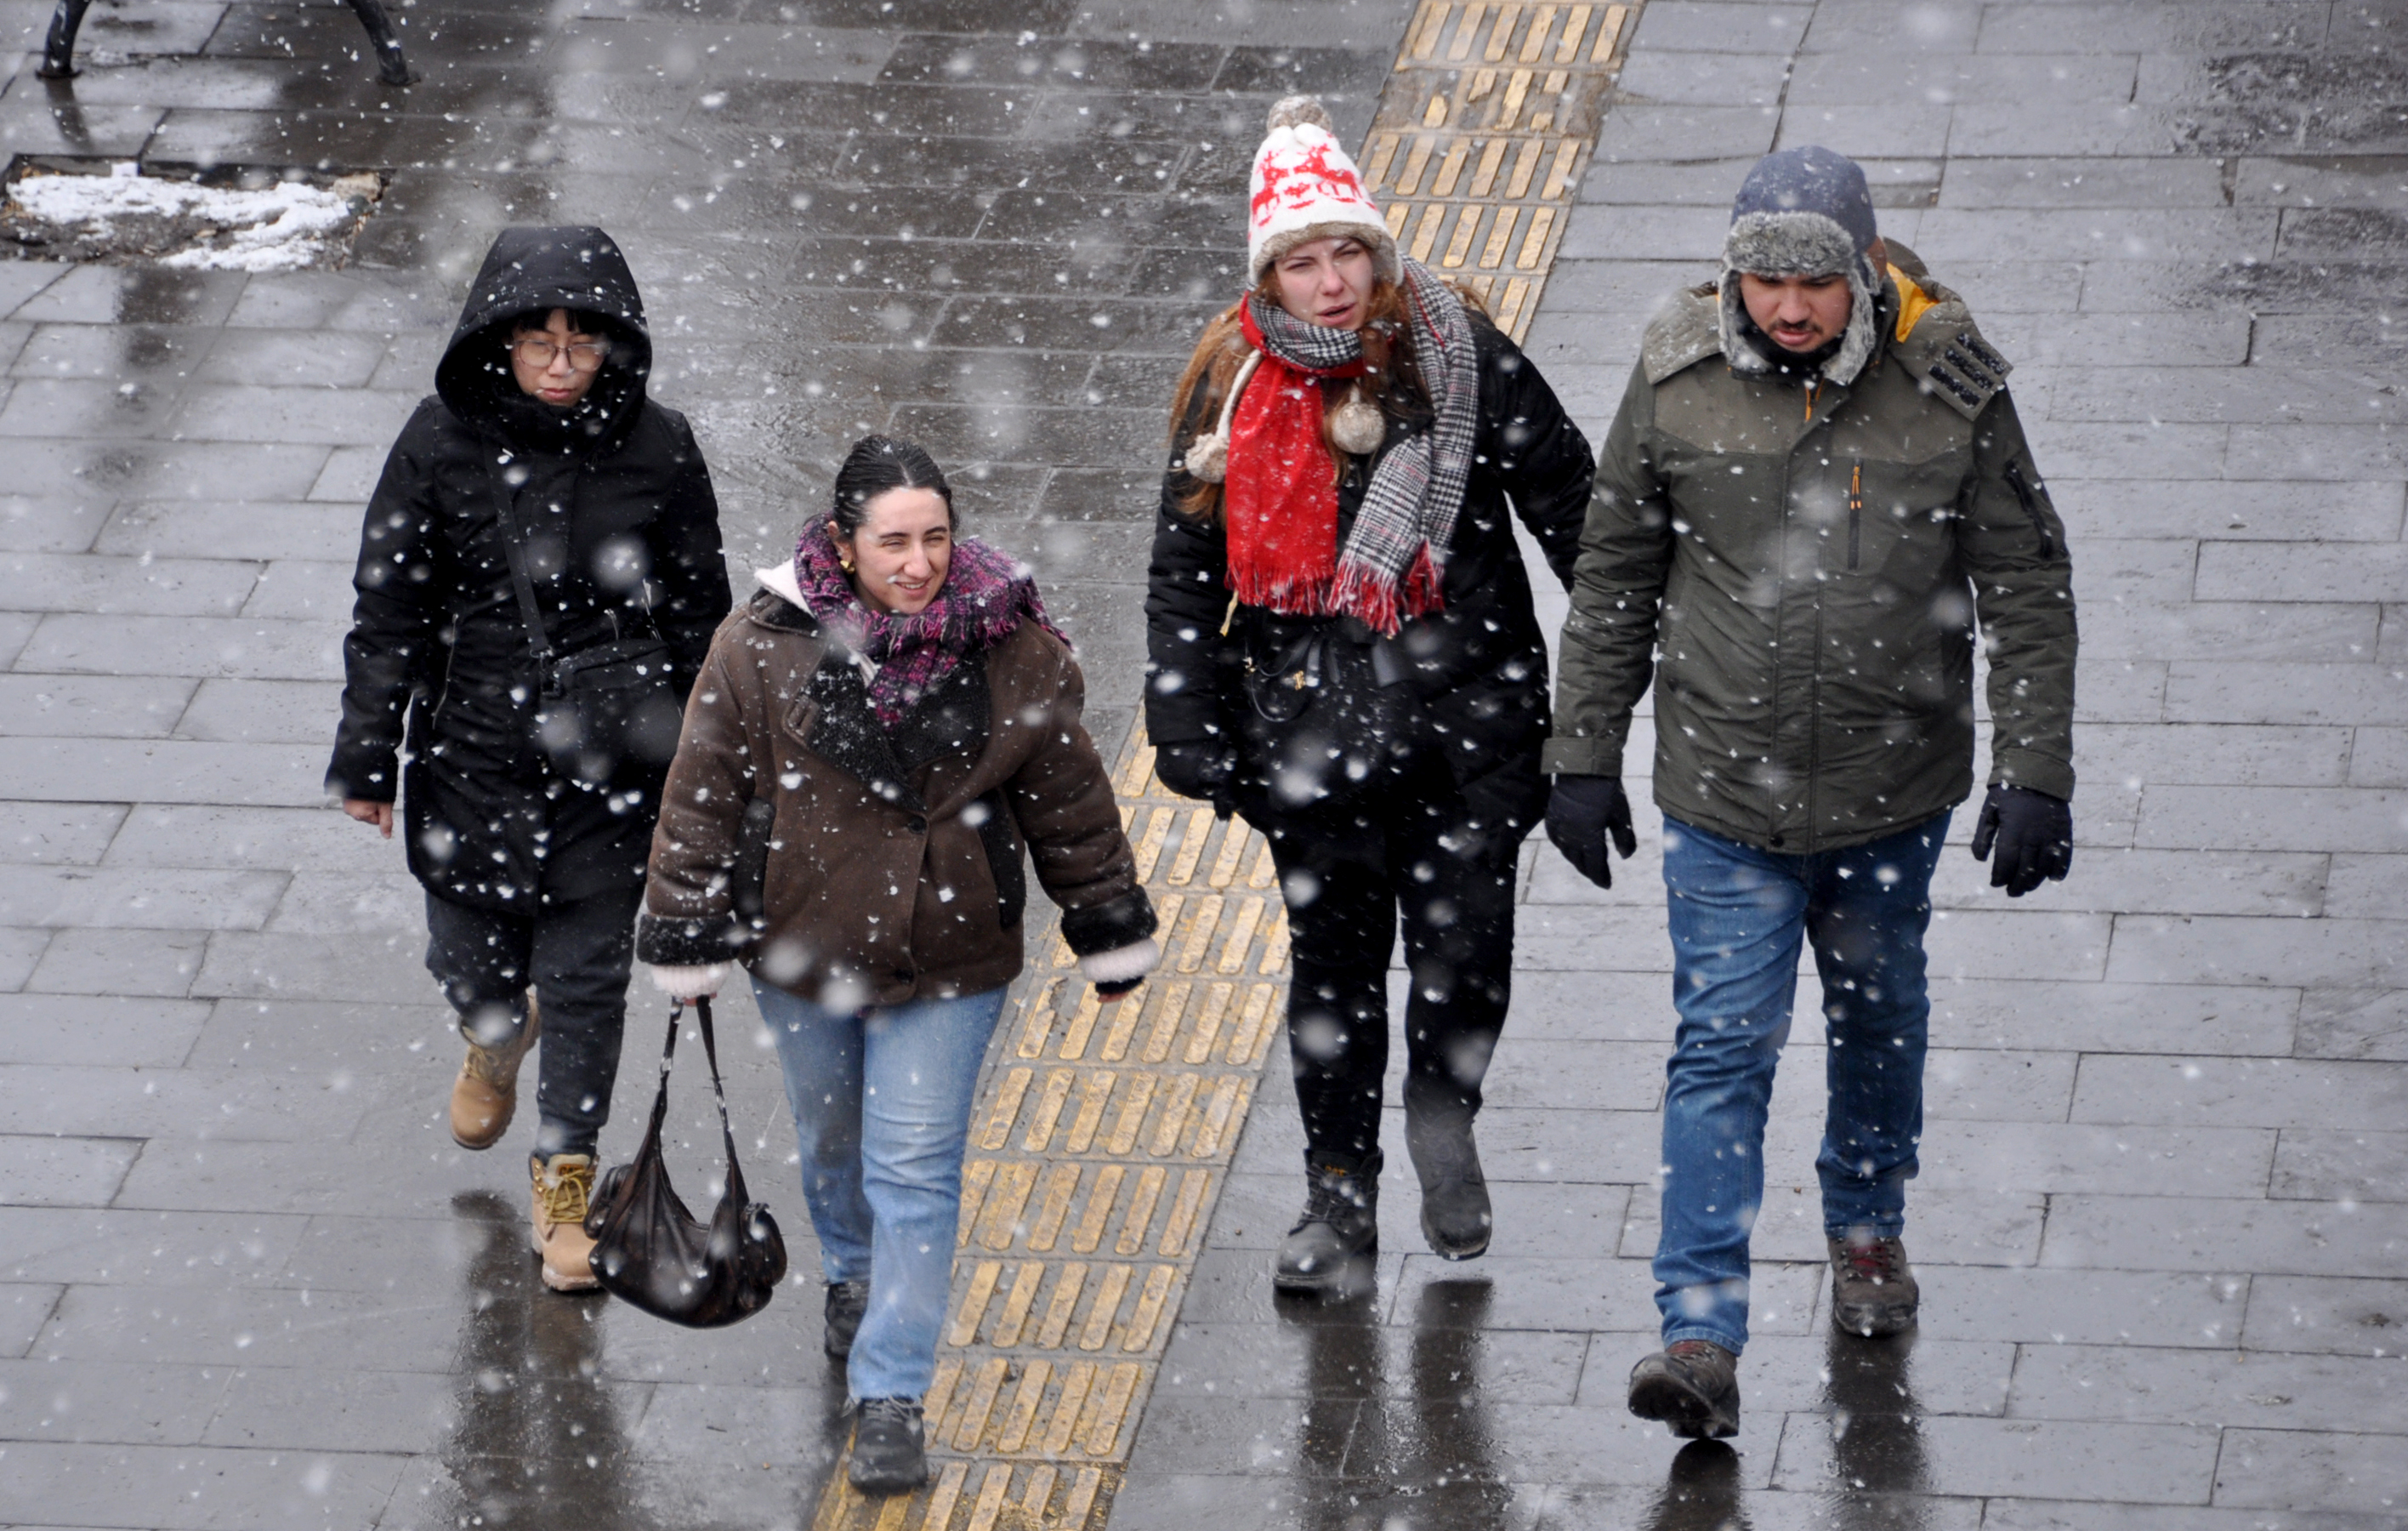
[
  {"x": 1873, "y": 1291},
  {"x": 563, "y": 1183},
  {"x": 1692, "y": 1385},
  {"x": 486, "y": 1094}
]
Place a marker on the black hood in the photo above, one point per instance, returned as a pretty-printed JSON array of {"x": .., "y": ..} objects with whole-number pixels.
[{"x": 534, "y": 270}]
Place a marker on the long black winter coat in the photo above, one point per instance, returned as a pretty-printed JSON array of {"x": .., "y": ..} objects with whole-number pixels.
[
  {"x": 623, "y": 532},
  {"x": 1479, "y": 668}
]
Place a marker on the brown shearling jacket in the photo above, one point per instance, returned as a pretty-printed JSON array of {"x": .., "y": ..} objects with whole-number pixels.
[{"x": 857, "y": 865}]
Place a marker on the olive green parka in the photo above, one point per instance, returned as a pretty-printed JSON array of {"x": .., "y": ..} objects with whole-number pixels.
[{"x": 1800, "y": 564}]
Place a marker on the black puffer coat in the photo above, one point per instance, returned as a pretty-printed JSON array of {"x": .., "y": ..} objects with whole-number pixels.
[
  {"x": 623, "y": 533},
  {"x": 1479, "y": 668}
]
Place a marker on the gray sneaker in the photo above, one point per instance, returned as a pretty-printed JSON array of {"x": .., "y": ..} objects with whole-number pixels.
[
  {"x": 1692, "y": 1385},
  {"x": 1873, "y": 1293}
]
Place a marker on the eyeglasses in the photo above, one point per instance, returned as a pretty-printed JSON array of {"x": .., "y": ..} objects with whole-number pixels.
[{"x": 537, "y": 352}]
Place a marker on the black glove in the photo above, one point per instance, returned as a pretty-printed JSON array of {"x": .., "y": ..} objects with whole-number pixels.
[
  {"x": 1198, "y": 768},
  {"x": 1580, "y": 813},
  {"x": 2034, "y": 836}
]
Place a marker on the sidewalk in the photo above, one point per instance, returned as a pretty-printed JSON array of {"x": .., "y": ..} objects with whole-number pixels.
[{"x": 2160, "y": 1224}]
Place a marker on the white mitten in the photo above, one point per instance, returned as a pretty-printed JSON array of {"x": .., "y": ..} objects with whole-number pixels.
[{"x": 689, "y": 983}]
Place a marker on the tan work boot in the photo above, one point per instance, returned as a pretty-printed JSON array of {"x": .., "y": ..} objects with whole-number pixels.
[
  {"x": 561, "y": 1185},
  {"x": 486, "y": 1094}
]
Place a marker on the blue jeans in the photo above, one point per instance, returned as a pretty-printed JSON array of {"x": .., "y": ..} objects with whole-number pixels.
[
  {"x": 1738, "y": 915},
  {"x": 881, "y": 1101}
]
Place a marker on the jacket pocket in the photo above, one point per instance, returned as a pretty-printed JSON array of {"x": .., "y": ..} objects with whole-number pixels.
[
  {"x": 2029, "y": 499},
  {"x": 1005, "y": 861},
  {"x": 1856, "y": 512}
]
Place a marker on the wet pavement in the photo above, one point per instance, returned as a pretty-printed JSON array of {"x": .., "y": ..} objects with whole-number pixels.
[{"x": 245, "y": 1278}]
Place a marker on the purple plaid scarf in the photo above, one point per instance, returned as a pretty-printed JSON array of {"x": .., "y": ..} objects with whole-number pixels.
[{"x": 985, "y": 596}]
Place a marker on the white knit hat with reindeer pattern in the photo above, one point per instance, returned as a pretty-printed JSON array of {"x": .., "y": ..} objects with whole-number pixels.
[{"x": 1305, "y": 187}]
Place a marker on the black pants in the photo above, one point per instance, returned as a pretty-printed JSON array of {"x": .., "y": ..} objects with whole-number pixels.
[
  {"x": 577, "y": 957},
  {"x": 1415, "y": 847}
]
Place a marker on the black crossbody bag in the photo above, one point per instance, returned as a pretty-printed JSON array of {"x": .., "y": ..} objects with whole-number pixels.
[
  {"x": 1329, "y": 709},
  {"x": 602, "y": 704}
]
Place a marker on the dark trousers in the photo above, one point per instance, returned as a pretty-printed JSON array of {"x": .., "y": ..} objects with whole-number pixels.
[
  {"x": 576, "y": 956},
  {"x": 1416, "y": 849}
]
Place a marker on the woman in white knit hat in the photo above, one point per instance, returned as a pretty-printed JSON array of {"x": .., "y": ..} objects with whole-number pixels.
[{"x": 1342, "y": 647}]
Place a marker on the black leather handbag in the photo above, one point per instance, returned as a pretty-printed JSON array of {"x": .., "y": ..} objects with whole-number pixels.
[
  {"x": 601, "y": 705},
  {"x": 648, "y": 1249}
]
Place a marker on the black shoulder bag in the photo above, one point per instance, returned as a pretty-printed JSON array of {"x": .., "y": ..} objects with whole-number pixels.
[
  {"x": 648, "y": 1249},
  {"x": 1330, "y": 710},
  {"x": 600, "y": 705}
]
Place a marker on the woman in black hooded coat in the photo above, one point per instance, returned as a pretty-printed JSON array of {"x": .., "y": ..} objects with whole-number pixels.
[{"x": 532, "y": 854}]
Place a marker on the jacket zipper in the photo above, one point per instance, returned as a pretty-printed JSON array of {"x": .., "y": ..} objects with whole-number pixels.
[
  {"x": 2031, "y": 503},
  {"x": 1856, "y": 509}
]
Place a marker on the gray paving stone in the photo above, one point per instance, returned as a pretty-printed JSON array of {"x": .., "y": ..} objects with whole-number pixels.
[
  {"x": 24, "y": 1307},
  {"x": 2237, "y": 1091},
  {"x": 97, "y": 1028},
  {"x": 2227, "y": 1388},
  {"x": 2316, "y": 452},
  {"x": 60, "y": 898},
  {"x": 158, "y": 963},
  {"x": 19, "y": 950},
  {"x": 2326, "y": 1315},
  {"x": 146, "y": 1486},
  {"x": 57, "y": 834},
  {"x": 2341, "y": 1166},
  {"x": 1705, "y": 79},
  {"x": 48, "y": 525},
  {"x": 2111, "y": 1018},
  {"x": 235, "y": 646},
  {"x": 2104, "y": 1308},
  {"x": 2185, "y": 1233},
  {"x": 99, "y": 1402},
  {"x": 1686, "y": 133},
  {"x": 104, "y": 706},
  {"x": 305, "y": 589},
  {"x": 2054, "y": 1515},
  {"x": 150, "y": 1251},
  {"x": 262, "y": 712},
  {"x": 2276, "y": 1469},
  {"x": 290, "y": 839},
  {"x": 307, "y": 967},
  {"x": 234, "y": 530},
  {"x": 1884, "y": 76},
  {"x": 2219, "y": 949},
  {"x": 1847, "y": 26},
  {"x": 2204, "y": 691},
  {"x": 63, "y": 1171},
  {"x": 2275, "y": 818},
  {"x": 2156, "y": 882},
  {"x": 2366, "y": 887},
  {"x": 2161, "y": 1463},
  {"x": 1890, "y": 130},
  {"x": 2303, "y": 572},
  {"x": 162, "y": 771},
  {"x": 2082, "y": 1159},
  {"x": 2228, "y": 510},
  {"x": 2364, "y": 1022}
]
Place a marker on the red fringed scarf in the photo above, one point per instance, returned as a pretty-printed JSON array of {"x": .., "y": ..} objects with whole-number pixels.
[{"x": 1280, "y": 504}]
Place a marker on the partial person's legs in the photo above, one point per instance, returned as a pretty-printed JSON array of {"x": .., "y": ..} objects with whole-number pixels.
[
  {"x": 920, "y": 1066},
  {"x": 1342, "y": 927},
  {"x": 580, "y": 957},
  {"x": 819, "y": 1051},
  {"x": 1871, "y": 905},
  {"x": 480, "y": 958},
  {"x": 1738, "y": 918},
  {"x": 1453, "y": 884}
]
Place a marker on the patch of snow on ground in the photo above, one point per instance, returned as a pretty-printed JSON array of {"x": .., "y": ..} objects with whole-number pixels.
[{"x": 281, "y": 228}]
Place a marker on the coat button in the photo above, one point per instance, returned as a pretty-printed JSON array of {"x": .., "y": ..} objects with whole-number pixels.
[
  {"x": 917, "y": 825},
  {"x": 1776, "y": 840}
]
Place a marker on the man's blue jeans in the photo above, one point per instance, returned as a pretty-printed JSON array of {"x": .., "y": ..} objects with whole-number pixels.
[
  {"x": 1738, "y": 916},
  {"x": 882, "y": 1102}
]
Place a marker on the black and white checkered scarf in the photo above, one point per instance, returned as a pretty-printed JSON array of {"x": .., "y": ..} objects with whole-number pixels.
[{"x": 1395, "y": 555}]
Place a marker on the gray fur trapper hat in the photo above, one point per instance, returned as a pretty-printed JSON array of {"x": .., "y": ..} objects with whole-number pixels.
[{"x": 1804, "y": 212}]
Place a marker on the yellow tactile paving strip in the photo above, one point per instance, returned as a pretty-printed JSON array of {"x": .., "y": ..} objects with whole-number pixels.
[
  {"x": 1483, "y": 131},
  {"x": 1100, "y": 1137},
  {"x": 1097, "y": 1147}
]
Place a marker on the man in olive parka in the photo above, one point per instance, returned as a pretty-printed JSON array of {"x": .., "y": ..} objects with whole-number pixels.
[{"x": 1815, "y": 485}]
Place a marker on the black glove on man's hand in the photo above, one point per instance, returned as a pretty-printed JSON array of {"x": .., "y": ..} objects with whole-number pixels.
[
  {"x": 2033, "y": 833},
  {"x": 1580, "y": 813},
  {"x": 1198, "y": 768}
]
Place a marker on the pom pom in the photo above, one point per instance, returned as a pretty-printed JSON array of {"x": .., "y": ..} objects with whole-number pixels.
[
  {"x": 1207, "y": 458},
  {"x": 1356, "y": 426},
  {"x": 1296, "y": 111}
]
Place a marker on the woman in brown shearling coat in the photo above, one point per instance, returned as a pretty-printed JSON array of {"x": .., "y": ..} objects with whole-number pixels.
[{"x": 877, "y": 739}]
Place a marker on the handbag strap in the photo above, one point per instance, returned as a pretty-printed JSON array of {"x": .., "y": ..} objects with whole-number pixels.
[
  {"x": 514, "y": 550},
  {"x": 718, "y": 1090}
]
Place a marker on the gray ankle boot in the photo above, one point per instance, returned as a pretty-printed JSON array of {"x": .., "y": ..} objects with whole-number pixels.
[{"x": 1455, "y": 1215}]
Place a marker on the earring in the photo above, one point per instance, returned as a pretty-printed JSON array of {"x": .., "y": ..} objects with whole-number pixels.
[{"x": 846, "y": 564}]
